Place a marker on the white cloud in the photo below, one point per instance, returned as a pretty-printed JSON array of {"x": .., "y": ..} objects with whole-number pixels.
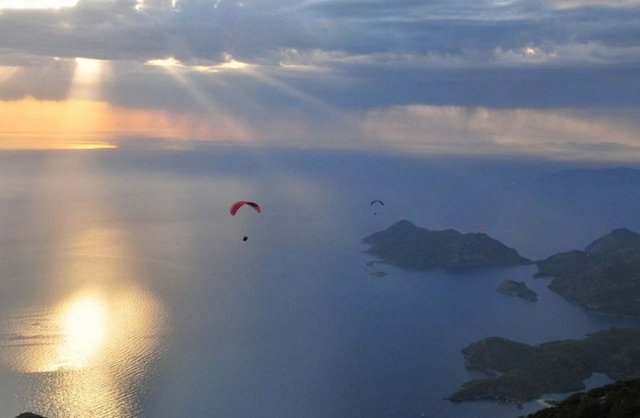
[
  {"x": 203, "y": 66},
  {"x": 547, "y": 133},
  {"x": 570, "y": 4}
]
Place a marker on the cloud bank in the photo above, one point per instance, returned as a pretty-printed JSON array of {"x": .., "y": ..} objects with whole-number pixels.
[{"x": 546, "y": 72}]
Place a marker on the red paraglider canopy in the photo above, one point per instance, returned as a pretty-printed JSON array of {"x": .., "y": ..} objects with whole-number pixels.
[{"x": 236, "y": 206}]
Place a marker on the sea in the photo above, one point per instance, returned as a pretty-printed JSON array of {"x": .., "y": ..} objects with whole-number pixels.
[{"x": 127, "y": 290}]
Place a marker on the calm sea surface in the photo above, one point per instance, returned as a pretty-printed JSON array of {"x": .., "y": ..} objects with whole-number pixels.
[{"x": 126, "y": 289}]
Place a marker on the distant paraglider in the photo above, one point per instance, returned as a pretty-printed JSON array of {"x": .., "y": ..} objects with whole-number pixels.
[
  {"x": 239, "y": 204},
  {"x": 375, "y": 203},
  {"x": 480, "y": 227}
]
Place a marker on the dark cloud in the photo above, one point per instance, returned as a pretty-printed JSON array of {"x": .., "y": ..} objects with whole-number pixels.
[
  {"x": 347, "y": 53},
  {"x": 207, "y": 29},
  {"x": 570, "y": 86},
  {"x": 368, "y": 86},
  {"x": 42, "y": 79}
]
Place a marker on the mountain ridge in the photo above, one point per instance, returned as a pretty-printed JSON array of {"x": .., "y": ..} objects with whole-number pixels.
[
  {"x": 408, "y": 246},
  {"x": 604, "y": 277}
]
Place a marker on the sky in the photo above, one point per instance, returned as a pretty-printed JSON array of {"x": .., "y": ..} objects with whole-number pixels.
[{"x": 537, "y": 78}]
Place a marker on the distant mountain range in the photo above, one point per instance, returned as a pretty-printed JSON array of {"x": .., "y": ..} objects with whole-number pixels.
[
  {"x": 408, "y": 246},
  {"x": 604, "y": 277}
]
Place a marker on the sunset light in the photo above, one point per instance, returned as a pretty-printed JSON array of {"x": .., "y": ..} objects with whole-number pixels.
[
  {"x": 37, "y": 4},
  {"x": 6, "y": 73},
  {"x": 86, "y": 80},
  {"x": 81, "y": 124},
  {"x": 230, "y": 64},
  {"x": 319, "y": 208},
  {"x": 83, "y": 325}
]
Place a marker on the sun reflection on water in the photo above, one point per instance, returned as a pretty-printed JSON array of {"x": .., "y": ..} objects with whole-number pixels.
[
  {"x": 90, "y": 352},
  {"x": 83, "y": 323}
]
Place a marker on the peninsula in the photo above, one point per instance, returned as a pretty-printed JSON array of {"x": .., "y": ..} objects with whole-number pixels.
[
  {"x": 519, "y": 372},
  {"x": 604, "y": 277},
  {"x": 617, "y": 400}
]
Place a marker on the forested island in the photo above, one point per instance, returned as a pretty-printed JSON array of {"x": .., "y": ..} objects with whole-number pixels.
[
  {"x": 519, "y": 289},
  {"x": 604, "y": 277},
  {"x": 407, "y": 246},
  {"x": 521, "y": 372}
]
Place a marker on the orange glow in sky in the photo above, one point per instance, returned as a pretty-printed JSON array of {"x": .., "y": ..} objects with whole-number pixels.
[{"x": 83, "y": 124}]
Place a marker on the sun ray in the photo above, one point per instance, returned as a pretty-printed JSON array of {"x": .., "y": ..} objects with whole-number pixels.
[
  {"x": 317, "y": 105},
  {"x": 211, "y": 107},
  {"x": 6, "y": 73},
  {"x": 87, "y": 77}
]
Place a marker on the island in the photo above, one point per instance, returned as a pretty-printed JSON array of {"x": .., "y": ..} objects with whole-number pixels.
[
  {"x": 604, "y": 277},
  {"x": 617, "y": 400},
  {"x": 520, "y": 372},
  {"x": 407, "y": 246},
  {"x": 519, "y": 289},
  {"x": 371, "y": 269}
]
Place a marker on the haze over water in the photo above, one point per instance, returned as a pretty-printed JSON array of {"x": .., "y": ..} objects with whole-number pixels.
[{"x": 127, "y": 289}]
